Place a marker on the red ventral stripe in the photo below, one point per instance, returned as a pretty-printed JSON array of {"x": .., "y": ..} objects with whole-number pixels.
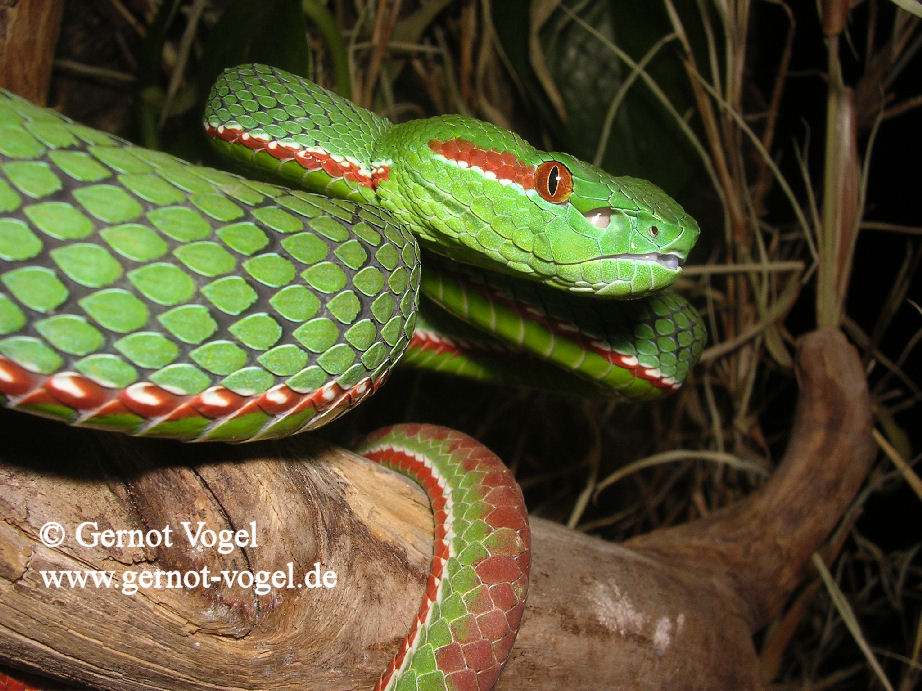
[
  {"x": 417, "y": 468},
  {"x": 432, "y": 343},
  {"x": 14, "y": 380},
  {"x": 503, "y": 164},
  {"x": 612, "y": 356},
  {"x": 554, "y": 326},
  {"x": 149, "y": 401},
  {"x": 309, "y": 160}
]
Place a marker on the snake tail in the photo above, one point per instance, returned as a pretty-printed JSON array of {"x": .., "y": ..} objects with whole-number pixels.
[
  {"x": 475, "y": 594},
  {"x": 15, "y": 680}
]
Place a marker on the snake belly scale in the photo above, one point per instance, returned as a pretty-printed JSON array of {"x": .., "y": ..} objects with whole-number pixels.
[{"x": 146, "y": 295}]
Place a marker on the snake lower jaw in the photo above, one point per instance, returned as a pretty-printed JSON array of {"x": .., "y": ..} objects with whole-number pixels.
[{"x": 623, "y": 276}]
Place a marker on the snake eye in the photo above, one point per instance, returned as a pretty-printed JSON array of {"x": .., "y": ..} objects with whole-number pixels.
[{"x": 554, "y": 182}]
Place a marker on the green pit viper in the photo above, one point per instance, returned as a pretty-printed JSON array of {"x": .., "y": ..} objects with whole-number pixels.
[{"x": 142, "y": 294}]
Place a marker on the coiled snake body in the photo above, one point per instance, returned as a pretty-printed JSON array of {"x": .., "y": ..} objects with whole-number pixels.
[{"x": 143, "y": 294}]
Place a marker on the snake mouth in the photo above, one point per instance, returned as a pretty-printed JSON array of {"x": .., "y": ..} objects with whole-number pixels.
[
  {"x": 600, "y": 217},
  {"x": 673, "y": 262}
]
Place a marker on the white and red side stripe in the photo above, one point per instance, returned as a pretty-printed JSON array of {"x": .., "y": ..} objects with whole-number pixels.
[
  {"x": 310, "y": 158},
  {"x": 482, "y": 639},
  {"x": 89, "y": 400},
  {"x": 421, "y": 469}
]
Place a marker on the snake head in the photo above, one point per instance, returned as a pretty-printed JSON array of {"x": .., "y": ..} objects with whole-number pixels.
[
  {"x": 612, "y": 236},
  {"x": 484, "y": 196}
]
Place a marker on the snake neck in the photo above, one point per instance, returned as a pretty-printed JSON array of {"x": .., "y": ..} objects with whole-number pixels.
[{"x": 452, "y": 213}]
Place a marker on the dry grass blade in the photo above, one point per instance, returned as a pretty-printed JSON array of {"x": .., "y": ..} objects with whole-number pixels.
[
  {"x": 385, "y": 19},
  {"x": 911, "y": 6},
  {"x": 592, "y": 461},
  {"x": 841, "y": 198},
  {"x": 764, "y": 155},
  {"x": 662, "y": 97},
  {"x": 540, "y": 12},
  {"x": 729, "y": 460},
  {"x": 94, "y": 72},
  {"x": 891, "y": 227},
  {"x": 622, "y": 92},
  {"x": 139, "y": 28},
  {"x": 775, "y": 312},
  {"x": 851, "y": 622},
  {"x": 912, "y": 479},
  {"x": 182, "y": 58},
  {"x": 913, "y": 675}
]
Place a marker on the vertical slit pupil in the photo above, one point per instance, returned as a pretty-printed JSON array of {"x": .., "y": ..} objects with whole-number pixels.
[{"x": 552, "y": 180}]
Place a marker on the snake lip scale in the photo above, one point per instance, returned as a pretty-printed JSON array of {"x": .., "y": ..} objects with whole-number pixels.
[
  {"x": 142, "y": 294},
  {"x": 673, "y": 262}
]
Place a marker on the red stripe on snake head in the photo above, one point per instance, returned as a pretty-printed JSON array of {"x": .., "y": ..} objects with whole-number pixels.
[{"x": 503, "y": 164}]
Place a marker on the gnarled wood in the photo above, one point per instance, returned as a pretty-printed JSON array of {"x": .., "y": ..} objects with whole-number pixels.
[
  {"x": 28, "y": 33},
  {"x": 673, "y": 608},
  {"x": 758, "y": 547}
]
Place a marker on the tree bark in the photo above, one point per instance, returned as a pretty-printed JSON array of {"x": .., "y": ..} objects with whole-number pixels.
[
  {"x": 675, "y": 608},
  {"x": 28, "y": 33}
]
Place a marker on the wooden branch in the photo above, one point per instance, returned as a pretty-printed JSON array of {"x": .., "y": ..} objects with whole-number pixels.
[
  {"x": 758, "y": 547},
  {"x": 672, "y": 609},
  {"x": 28, "y": 33}
]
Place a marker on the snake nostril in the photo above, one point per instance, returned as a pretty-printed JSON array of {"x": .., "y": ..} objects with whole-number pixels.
[{"x": 654, "y": 231}]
